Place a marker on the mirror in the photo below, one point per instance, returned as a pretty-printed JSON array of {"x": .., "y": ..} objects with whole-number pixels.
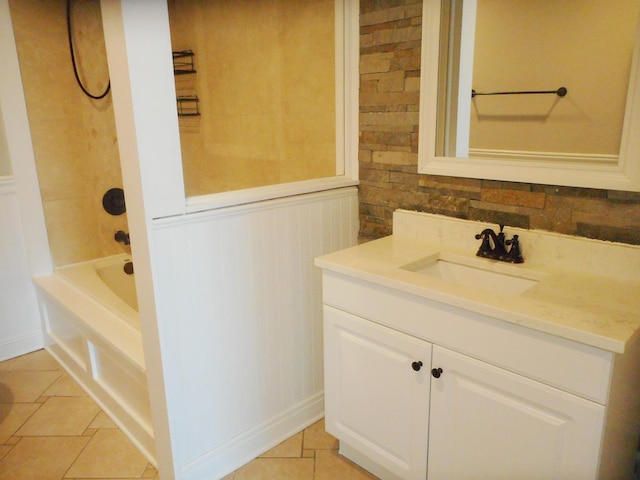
[{"x": 533, "y": 138}]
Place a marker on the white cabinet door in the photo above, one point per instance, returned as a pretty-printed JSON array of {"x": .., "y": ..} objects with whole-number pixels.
[
  {"x": 377, "y": 394},
  {"x": 487, "y": 423}
]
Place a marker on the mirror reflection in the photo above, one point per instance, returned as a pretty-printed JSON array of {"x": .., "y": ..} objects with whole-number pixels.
[{"x": 502, "y": 46}]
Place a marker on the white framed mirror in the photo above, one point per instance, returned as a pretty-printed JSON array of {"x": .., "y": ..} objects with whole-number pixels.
[{"x": 447, "y": 108}]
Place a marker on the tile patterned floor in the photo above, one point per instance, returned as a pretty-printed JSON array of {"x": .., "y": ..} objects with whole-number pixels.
[{"x": 51, "y": 430}]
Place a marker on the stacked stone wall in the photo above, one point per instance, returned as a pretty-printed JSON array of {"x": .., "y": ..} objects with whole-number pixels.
[{"x": 390, "y": 35}]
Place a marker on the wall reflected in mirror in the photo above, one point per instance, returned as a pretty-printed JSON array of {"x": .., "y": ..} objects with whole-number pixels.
[{"x": 500, "y": 46}]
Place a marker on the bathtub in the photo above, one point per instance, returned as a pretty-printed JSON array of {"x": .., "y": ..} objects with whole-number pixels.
[
  {"x": 106, "y": 281},
  {"x": 92, "y": 327}
]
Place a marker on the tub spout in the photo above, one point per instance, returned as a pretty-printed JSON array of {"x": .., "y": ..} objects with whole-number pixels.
[
  {"x": 128, "y": 268},
  {"x": 122, "y": 237}
]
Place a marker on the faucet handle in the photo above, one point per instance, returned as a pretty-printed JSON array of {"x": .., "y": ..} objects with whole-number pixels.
[
  {"x": 514, "y": 242},
  {"x": 514, "y": 255},
  {"x": 485, "y": 249}
]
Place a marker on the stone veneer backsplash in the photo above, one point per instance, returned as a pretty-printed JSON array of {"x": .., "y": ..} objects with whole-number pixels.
[{"x": 390, "y": 35}]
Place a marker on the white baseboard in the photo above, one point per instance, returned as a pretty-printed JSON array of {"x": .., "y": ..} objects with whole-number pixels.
[
  {"x": 14, "y": 347},
  {"x": 230, "y": 456}
]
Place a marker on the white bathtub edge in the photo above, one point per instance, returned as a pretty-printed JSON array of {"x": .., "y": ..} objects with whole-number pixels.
[{"x": 103, "y": 321}]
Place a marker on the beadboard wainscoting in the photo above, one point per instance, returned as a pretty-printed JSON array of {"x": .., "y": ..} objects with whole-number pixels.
[
  {"x": 20, "y": 330},
  {"x": 240, "y": 323}
]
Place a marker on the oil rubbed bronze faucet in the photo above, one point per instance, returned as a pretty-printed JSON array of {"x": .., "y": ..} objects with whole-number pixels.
[
  {"x": 494, "y": 246},
  {"x": 122, "y": 237}
]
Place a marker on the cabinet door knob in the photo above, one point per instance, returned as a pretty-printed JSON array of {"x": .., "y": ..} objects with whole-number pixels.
[
  {"x": 416, "y": 366},
  {"x": 436, "y": 372}
]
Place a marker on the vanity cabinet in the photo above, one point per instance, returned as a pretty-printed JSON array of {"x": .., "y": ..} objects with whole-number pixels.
[
  {"x": 419, "y": 390},
  {"x": 377, "y": 384},
  {"x": 487, "y": 422}
]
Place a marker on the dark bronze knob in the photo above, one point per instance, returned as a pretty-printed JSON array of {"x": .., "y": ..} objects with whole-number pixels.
[
  {"x": 416, "y": 366},
  {"x": 436, "y": 372}
]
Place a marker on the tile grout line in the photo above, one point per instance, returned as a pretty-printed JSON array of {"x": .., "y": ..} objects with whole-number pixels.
[{"x": 83, "y": 448}]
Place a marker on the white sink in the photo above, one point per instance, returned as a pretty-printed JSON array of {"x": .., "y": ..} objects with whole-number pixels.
[{"x": 478, "y": 273}]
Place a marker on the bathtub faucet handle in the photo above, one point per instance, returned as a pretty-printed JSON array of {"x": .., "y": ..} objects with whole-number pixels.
[{"x": 122, "y": 237}]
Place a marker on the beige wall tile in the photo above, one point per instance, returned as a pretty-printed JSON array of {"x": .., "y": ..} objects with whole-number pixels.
[
  {"x": 74, "y": 137},
  {"x": 267, "y": 90},
  {"x": 72, "y": 229}
]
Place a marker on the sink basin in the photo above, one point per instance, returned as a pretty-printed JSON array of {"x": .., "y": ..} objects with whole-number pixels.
[{"x": 477, "y": 273}]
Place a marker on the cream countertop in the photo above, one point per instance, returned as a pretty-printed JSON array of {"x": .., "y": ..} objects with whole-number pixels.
[{"x": 601, "y": 309}]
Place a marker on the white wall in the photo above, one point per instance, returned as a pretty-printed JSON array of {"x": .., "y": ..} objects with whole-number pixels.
[
  {"x": 20, "y": 329},
  {"x": 24, "y": 248},
  {"x": 240, "y": 323},
  {"x": 532, "y": 46},
  {"x": 259, "y": 255},
  {"x": 5, "y": 163},
  {"x": 221, "y": 366}
]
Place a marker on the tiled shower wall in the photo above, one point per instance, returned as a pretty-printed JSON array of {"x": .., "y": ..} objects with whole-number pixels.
[
  {"x": 264, "y": 68},
  {"x": 74, "y": 138},
  {"x": 390, "y": 34}
]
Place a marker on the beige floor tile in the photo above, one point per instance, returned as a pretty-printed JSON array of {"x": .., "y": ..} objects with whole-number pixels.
[
  {"x": 291, "y": 447},
  {"x": 330, "y": 465},
  {"x": 109, "y": 454},
  {"x": 6, "y": 395},
  {"x": 4, "y": 449},
  {"x": 12, "y": 417},
  {"x": 41, "y": 458},
  {"x": 280, "y": 468},
  {"x": 61, "y": 416},
  {"x": 6, "y": 364},
  {"x": 25, "y": 386},
  {"x": 64, "y": 386},
  {"x": 150, "y": 472},
  {"x": 231, "y": 476},
  {"x": 34, "y": 361},
  {"x": 316, "y": 438},
  {"x": 102, "y": 420}
]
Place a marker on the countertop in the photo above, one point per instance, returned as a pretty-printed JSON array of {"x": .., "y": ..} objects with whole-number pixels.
[{"x": 595, "y": 309}]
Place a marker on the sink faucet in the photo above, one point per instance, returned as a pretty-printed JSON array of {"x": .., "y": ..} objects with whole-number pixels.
[{"x": 494, "y": 246}]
